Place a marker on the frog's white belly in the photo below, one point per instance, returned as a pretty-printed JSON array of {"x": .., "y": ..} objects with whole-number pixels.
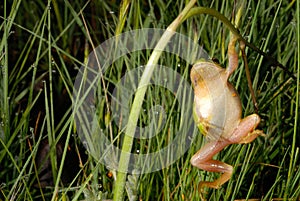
[{"x": 218, "y": 110}]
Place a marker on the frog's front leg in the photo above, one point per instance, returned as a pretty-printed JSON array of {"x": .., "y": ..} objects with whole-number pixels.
[{"x": 233, "y": 57}]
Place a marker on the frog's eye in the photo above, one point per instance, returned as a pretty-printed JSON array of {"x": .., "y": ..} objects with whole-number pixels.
[{"x": 215, "y": 60}]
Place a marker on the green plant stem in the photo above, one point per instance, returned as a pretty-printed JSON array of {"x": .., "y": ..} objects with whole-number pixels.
[
  {"x": 230, "y": 26},
  {"x": 244, "y": 56},
  {"x": 58, "y": 16},
  {"x": 138, "y": 100},
  {"x": 122, "y": 16},
  {"x": 5, "y": 77},
  {"x": 292, "y": 156},
  {"x": 4, "y": 48},
  {"x": 49, "y": 102}
]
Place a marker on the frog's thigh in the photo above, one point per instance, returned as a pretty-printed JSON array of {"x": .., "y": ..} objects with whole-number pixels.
[
  {"x": 203, "y": 158},
  {"x": 245, "y": 132}
]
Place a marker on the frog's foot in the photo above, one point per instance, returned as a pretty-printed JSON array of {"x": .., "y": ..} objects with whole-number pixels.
[
  {"x": 220, "y": 181},
  {"x": 213, "y": 166},
  {"x": 251, "y": 136},
  {"x": 245, "y": 132}
]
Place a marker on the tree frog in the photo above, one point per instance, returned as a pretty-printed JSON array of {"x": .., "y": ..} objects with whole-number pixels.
[{"x": 217, "y": 112}]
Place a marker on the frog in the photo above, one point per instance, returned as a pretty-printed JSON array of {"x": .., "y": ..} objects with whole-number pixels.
[{"x": 217, "y": 112}]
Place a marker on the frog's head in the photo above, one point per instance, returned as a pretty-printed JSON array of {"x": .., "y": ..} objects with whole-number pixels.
[{"x": 205, "y": 70}]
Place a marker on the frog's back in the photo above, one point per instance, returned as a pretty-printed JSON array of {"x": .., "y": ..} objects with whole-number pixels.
[{"x": 216, "y": 101}]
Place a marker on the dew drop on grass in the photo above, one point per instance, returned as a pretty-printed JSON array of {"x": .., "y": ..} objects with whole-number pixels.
[
  {"x": 293, "y": 23},
  {"x": 84, "y": 142}
]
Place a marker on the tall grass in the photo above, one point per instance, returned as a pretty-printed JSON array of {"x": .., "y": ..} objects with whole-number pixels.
[{"x": 43, "y": 44}]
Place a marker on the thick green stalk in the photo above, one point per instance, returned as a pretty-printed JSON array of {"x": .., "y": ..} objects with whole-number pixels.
[
  {"x": 137, "y": 103},
  {"x": 7, "y": 24}
]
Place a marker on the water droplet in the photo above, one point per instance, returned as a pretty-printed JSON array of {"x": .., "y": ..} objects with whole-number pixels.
[
  {"x": 112, "y": 12},
  {"x": 84, "y": 142},
  {"x": 293, "y": 23}
]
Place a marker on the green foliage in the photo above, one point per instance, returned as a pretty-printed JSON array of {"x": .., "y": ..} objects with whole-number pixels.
[{"x": 44, "y": 44}]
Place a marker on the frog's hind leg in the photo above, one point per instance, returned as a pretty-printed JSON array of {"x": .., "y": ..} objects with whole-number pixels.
[{"x": 203, "y": 160}]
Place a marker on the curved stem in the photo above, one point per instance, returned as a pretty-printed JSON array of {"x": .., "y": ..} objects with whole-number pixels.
[
  {"x": 138, "y": 99},
  {"x": 230, "y": 26},
  {"x": 244, "y": 56}
]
